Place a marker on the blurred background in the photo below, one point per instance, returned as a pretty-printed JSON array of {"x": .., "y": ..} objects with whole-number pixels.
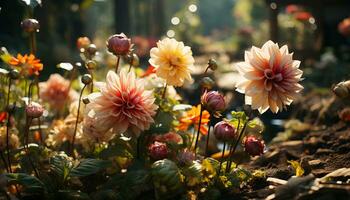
[{"x": 317, "y": 31}]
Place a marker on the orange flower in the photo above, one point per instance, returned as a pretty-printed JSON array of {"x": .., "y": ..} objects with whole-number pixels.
[
  {"x": 191, "y": 117},
  {"x": 29, "y": 64}
]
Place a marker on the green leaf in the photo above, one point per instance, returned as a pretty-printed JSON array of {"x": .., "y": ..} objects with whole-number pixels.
[
  {"x": 30, "y": 183},
  {"x": 32, "y": 3},
  {"x": 89, "y": 166},
  {"x": 66, "y": 66},
  {"x": 72, "y": 195},
  {"x": 61, "y": 165}
]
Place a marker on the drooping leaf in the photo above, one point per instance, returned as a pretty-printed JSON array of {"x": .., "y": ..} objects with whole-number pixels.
[
  {"x": 89, "y": 166},
  {"x": 31, "y": 184},
  {"x": 299, "y": 171}
]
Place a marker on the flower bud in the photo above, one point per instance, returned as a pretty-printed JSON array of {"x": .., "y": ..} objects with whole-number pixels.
[
  {"x": 342, "y": 89},
  {"x": 30, "y": 25},
  {"x": 14, "y": 74},
  {"x": 91, "y": 49},
  {"x": 91, "y": 64},
  {"x": 86, "y": 79},
  {"x": 34, "y": 110},
  {"x": 158, "y": 150},
  {"x": 224, "y": 131},
  {"x": 119, "y": 44},
  {"x": 133, "y": 59},
  {"x": 254, "y": 146},
  {"x": 86, "y": 100},
  {"x": 212, "y": 64},
  {"x": 213, "y": 101},
  {"x": 207, "y": 83},
  {"x": 185, "y": 157},
  {"x": 83, "y": 42}
]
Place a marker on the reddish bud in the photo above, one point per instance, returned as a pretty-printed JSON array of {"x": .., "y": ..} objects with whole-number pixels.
[
  {"x": 34, "y": 110},
  {"x": 83, "y": 42},
  {"x": 119, "y": 44},
  {"x": 30, "y": 25},
  {"x": 224, "y": 131},
  {"x": 186, "y": 157},
  {"x": 213, "y": 101},
  {"x": 254, "y": 146},
  {"x": 158, "y": 150}
]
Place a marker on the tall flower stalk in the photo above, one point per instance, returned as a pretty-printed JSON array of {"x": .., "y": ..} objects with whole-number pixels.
[{"x": 86, "y": 79}]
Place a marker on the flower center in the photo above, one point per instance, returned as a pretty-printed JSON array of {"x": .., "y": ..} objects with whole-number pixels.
[
  {"x": 174, "y": 61},
  {"x": 270, "y": 75}
]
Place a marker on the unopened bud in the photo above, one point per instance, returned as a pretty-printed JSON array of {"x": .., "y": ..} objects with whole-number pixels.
[
  {"x": 91, "y": 64},
  {"x": 86, "y": 79},
  {"x": 34, "y": 110},
  {"x": 212, "y": 64},
  {"x": 119, "y": 44},
  {"x": 91, "y": 49},
  {"x": 158, "y": 150},
  {"x": 30, "y": 25},
  {"x": 14, "y": 74},
  {"x": 254, "y": 146},
  {"x": 207, "y": 83},
  {"x": 224, "y": 131},
  {"x": 86, "y": 100}
]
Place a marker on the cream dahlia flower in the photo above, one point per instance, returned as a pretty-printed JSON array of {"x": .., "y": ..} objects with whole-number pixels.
[
  {"x": 56, "y": 91},
  {"x": 270, "y": 77},
  {"x": 122, "y": 105},
  {"x": 173, "y": 61}
]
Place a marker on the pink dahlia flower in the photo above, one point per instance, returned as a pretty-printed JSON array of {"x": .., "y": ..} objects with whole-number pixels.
[
  {"x": 270, "y": 77},
  {"x": 56, "y": 91},
  {"x": 122, "y": 104}
]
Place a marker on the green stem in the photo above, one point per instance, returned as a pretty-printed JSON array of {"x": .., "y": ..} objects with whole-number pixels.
[
  {"x": 4, "y": 161},
  {"x": 116, "y": 68},
  {"x": 8, "y": 127},
  {"x": 208, "y": 137},
  {"x": 26, "y": 145},
  {"x": 236, "y": 144},
  {"x": 76, "y": 122},
  {"x": 198, "y": 131},
  {"x": 222, "y": 157}
]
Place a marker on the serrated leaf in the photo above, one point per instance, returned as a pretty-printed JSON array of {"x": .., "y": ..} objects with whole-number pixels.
[
  {"x": 66, "y": 66},
  {"x": 61, "y": 165},
  {"x": 299, "y": 171},
  {"x": 30, "y": 183},
  {"x": 32, "y": 3},
  {"x": 89, "y": 166}
]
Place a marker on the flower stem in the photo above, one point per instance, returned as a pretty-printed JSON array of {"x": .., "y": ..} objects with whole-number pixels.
[
  {"x": 39, "y": 121},
  {"x": 116, "y": 68},
  {"x": 206, "y": 70},
  {"x": 26, "y": 145},
  {"x": 8, "y": 126},
  {"x": 132, "y": 60},
  {"x": 199, "y": 128},
  {"x": 4, "y": 161},
  {"x": 222, "y": 156},
  {"x": 164, "y": 91},
  {"x": 32, "y": 41},
  {"x": 92, "y": 81},
  {"x": 208, "y": 137},
  {"x": 232, "y": 151},
  {"x": 76, "y": 122}
]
